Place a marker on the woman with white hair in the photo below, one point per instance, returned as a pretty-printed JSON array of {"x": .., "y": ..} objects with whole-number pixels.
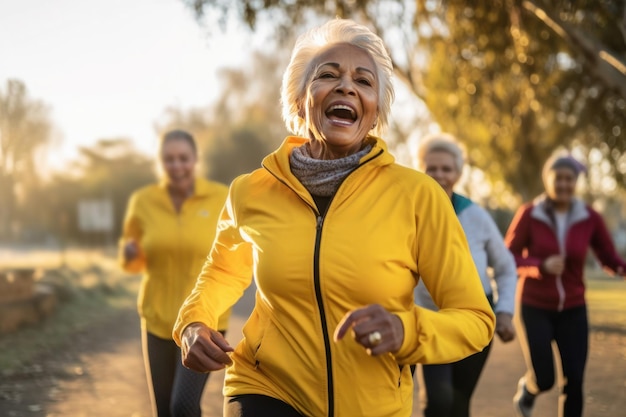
[
  {"x": 336, "y": 236},
  {"x": 448, "y": 388}
]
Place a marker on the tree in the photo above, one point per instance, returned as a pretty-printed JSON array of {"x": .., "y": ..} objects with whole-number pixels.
[
  {"x": 111, "y": 170},
  {"x": 244, "y": 124},
  {"x": 517, "y": 97},
  {"x": 514, "y": 79},
  {"x": 24, "y": 129}
]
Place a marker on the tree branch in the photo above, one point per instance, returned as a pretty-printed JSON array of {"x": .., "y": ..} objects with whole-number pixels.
[
  {"x": 622, "y": 25},
  {"x": 605, "y": 65}
]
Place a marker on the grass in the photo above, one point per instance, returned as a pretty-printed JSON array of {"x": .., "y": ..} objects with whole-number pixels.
[
  {"x": 90, "y": 289},
  {"x": 606, "y": 301}
]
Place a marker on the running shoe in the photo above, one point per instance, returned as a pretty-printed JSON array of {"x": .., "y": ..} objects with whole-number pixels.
[{"x": 523, "y": 401}]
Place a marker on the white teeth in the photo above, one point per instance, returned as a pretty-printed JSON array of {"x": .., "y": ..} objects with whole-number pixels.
[{"x": 342, "y": 107}]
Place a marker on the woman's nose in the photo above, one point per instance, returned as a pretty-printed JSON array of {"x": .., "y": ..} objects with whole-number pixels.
[
  {"x": 345, "y": 85},
  {"x": 434, "y": 173}
]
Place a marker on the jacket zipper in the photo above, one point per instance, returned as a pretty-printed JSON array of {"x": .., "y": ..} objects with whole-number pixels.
[
  {"x": 560, "y": 288},
  {"x": 317, "y": 284},
  {"x": 322, "y": 311}
]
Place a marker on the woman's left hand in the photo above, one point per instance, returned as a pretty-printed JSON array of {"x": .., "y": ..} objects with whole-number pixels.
[{"x": 374, "y": 328}]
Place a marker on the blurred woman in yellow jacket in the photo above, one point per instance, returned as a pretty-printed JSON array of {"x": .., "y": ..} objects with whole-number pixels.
[
  {"x": 336, "y": 236},
  {"x": 167, "y": 235}
]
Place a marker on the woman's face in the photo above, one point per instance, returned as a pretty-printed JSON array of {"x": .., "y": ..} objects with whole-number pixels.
[
  {"x": 342, "y": 99},
  {"x": 560, "y": 185},
  {"x": 440, "y": 165},
  {"x": 178, "y": 160}
]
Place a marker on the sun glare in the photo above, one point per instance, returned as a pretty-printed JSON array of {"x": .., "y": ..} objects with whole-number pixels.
[{"x": 111, "y": 67}]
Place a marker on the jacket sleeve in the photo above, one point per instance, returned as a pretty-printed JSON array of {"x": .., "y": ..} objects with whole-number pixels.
[
  {"x": 602, "y": 245},
  {"x": 225, "y": 275},
  {"x": 504, "y": 269},
  {"x": 465, "y": 321},
  {"x": 131, "y": 230},
  {"x": 517, "y": 239}
]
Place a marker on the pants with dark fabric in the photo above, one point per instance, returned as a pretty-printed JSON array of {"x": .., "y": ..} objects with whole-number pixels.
[
  {"x": 570, "y": 330},
  {"x": 176, "y": 391},
  {"x": 449, "y": 387},
  {"x": 253, "y": 405}
]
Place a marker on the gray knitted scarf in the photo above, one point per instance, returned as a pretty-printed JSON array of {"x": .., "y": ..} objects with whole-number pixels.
[{"x": 321, "y": 177}]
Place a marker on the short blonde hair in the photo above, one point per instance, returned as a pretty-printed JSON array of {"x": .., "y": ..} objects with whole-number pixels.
[
  {"x": 441, "y": 142},
  {"x": 299, "y": 71}
]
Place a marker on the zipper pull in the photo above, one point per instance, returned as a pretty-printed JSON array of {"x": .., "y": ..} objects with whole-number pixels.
[{"x": 320, "y": 220}]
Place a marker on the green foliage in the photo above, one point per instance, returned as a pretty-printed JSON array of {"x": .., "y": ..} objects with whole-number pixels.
[
  {"x": 513, "y": 79},
  {"x": 517, "y": 96}
]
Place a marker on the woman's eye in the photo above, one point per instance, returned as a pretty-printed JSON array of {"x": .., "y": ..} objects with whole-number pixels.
[
  {"x": 326, "y": 75},
  {"x": 364, "y": 81}
]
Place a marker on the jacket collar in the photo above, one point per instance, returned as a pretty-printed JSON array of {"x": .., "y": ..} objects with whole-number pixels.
[
  {"x": 201, "y": 187},
  {"x": 460, "y": 203},
  {"x": 277, "y": 163},
  {"x": 543, "y": 210}
]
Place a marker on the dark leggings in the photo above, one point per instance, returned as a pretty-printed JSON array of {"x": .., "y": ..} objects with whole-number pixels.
[
  {"x": 449, "y": 387},
  {"x": 176, "y": 390},
  {"x": 253, "y": 405},
  {"x": 570, "y": 330}
]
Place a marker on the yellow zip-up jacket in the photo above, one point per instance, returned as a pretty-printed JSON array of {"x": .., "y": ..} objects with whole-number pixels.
[
  {"x": 386, "y": 227},
  {"x": 173, "y": 246}
]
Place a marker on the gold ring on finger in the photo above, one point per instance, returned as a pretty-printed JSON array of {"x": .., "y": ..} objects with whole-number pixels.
[{"x": 375, "y": 338}]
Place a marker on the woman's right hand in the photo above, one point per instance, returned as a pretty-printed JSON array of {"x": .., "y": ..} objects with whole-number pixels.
[
  {"x": 554, "y": 264},
  {"x": 131, "y": 250},
  {"x": 204, "y": 349}
]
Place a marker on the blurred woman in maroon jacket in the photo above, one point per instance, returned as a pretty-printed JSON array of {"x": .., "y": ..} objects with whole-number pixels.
[{"x": 550, "y": 238}]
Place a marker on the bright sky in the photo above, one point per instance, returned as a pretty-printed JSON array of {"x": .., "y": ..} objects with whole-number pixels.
[{"x": 108, "y": 68}]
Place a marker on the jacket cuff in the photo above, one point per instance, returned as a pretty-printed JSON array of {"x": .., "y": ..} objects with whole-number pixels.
[
  {"x": 410, "y": 342},
  {"x": 411, "y": 351},
  {"x": 185, "y": 320}
]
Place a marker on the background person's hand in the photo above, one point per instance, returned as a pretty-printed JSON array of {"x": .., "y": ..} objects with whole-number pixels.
[
  {"x": 367, "y": 320},
  {"x": 504, "y": 327},
  {"x": 204, "y": 349},
  {"x": 131, "y": 250},
  {"x": 554, "y": 264}
]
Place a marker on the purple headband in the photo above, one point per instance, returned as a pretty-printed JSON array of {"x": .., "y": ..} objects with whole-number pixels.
[{"x": 568, "y": 162}]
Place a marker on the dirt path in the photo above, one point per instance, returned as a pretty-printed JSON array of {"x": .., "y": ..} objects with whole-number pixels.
[
  {"x": 101, "y": 374},
  {"x": 98, "y": 373}
]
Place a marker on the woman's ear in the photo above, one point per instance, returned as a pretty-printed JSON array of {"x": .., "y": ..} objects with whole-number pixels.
[{"x": 375, "y": 121}]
